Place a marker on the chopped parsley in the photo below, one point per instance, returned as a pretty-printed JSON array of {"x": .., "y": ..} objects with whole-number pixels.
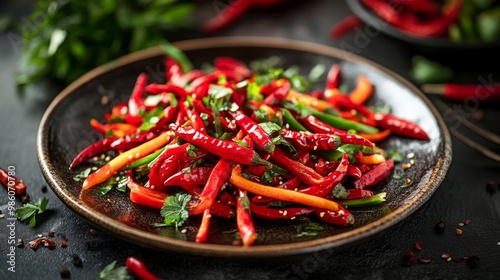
[
  {"x": 394, "y": 154},
  {"x": 82, "y": 175},
  {"x": 310, "y": 229},
  {"x": 340, "y": 192},
  {"x": 175, "y": 210},
  {"x": 110, "y": 272},
  {"x": 31, "y": 210}
]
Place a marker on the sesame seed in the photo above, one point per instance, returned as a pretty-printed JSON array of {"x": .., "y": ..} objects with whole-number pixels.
[
  {"x": 284, "y": 213},
  {"x": 322, "y": 214},
  {"x": 315, "y": 148},
  {"x": 95, "y": 158},
  {"x": 293, "y": 218},
  {"x": 184, "y": 230},
  {"x": 108, "y": 158},
  {"x": 94, "y": 168},
  {"x": 341, "y": 212},
  {"x": 280, "y": 211},
  {"x": 412, "y": 162},
  {"x": 461, "y": 224},
  {"x": 445, "y": 256},
  {"x": 259, "y": 197},
  {"x": 411, "y": 155}
]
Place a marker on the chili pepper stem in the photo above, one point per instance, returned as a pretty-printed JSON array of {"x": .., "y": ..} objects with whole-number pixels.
[{"x": 363, "y": 202}]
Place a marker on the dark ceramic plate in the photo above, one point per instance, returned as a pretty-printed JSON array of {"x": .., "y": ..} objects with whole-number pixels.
[
  {"x": 441, "y": 45},
  {"x": 65, "y": 130}
]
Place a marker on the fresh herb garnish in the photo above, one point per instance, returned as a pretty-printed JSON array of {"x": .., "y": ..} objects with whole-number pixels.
[
  {"x": 340, "y": 192},
  {"x": 151, "y": 118},
  {"x": 105, "y": 190},
  {"x": 272, "y": 172},
  {"x": 82, "y": 175},
  {"x": 397, "y": 176},
  {"x": 316, "y": 73},
  {"x": 31, "y": 210},
  {"x": 191, "y": 150},
  {"x": 394, "y": 154},
  {"x": 175, "y": 209},
  {"x": 274, "y": 130},
  {"x": 186, "y": 170},
  {"x": 310, "y": 229},
  {"x": 110, "y": 272}
]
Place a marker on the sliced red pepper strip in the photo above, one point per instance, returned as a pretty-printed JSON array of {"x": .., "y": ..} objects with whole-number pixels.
[
  {"x": 196, "y": 121},
  {"x": 305, "y": 174},
  {"x": 240, "y": 70},
  {"x": 291, "y": 184},
  {"x": 345, "y": 101},
  {"x": 331, "y": 180},
  {"x": 219, "y": 176},
  {"x": 109, "y": 169},
  {"x": 189, "y": 77},
  {"x": 342, "y": 217},
  {"x": 244, "y": 220},
  {"x": 317, "y": 126},
  {"x": 358, "y": 193},
  {"x": 136, "y": 100},
  {"x": 333, "y": 77},
  {"x": 278, "y": 213},
  {"x": 420, "y": 6},
  {"x": 117, "y": 129},
  {"x": 218, "y": 209},
  {"x": 166, "y": 88},
  {"x": 201, "y": 236},
  {"x": 344, "y": 26},
  {"x": 401, "y": 126},
  {"x": 222, "y": 148},
  {"x": 281, "y": 194},
  {"x": 369, "y": 159},
  {"x": 227, "y": 16},
  {"x": 376, "y": 175},
  {"x": 195, "y": 176},
  {"x": 377, "y": 137},
  {"x": 173, "y": 70},
  {"x": 256, "y": 133},
  {"x": 139, "y": 269},
  {"x": 11, "y": 182},
  {"x": 310, "y": 101},
  {"x": 312, "y": 141}
]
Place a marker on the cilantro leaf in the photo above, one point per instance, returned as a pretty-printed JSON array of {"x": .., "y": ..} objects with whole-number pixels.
[
  {"x": 272, "y": 172},
  {"x": 82, "y": 175},
  {"x": 175, "y": 210},
  {"x": 122, "y": 184},
  {"x": 311, "y": 229},
  {"x": 339, "y": 191},
  {"x": 316, "y": 72},
  {"x": 394, "y": 154},
  {"x": 112, "y": 273},
  {"x": 30, "y": 210},
  {"x": 191, "y": 150},
  {"x": 104, "y": 190}
]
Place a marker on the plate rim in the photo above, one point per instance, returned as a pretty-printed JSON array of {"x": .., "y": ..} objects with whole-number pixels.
[{"x": 155, "y": 241}]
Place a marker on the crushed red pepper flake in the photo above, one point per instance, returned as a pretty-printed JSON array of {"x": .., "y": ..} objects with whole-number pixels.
[
  {"x": 51, "y": 234},
  {"x": 93, "y": 231},
  {"x": 33, "y": 244},
  {"x": 49, "y": 243},
  {"x": 458, "y": 231},
  {"x": 63, "y": 243},
  {"x": 418, "y": 246},
  {"x": 445, "y": 256},
  {"x": 423, "y": 261},
  {"x": 466, "y": 222}
]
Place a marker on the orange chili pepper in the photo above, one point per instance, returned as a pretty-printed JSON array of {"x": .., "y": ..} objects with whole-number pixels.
[
  {"x": 377, "y": 137},
  {"x": 145, "y": 196},
  {"x": 311, "y": 101},
  {"x": 109, "y": 169},
  {"x": 362, "y": 92},
  {"x": 118, "y": 129},
  {"x": 281, "y": 194},
  {"x": 371, "y": 159}
]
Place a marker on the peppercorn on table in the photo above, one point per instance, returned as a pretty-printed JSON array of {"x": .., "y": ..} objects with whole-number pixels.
[{"x": 456, "y": 234}]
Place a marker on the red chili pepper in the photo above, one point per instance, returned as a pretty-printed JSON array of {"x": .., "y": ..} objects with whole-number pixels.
[
  {"x": 218, "y": 177},
  {"x": 111, "y": 144},
  {"x": 170, "y": 161},
  {"x": 201, "y": 236},
  {"x": 311, "y": 141},
  {"x": 168, "y": 88},
  {"x": 374, "y": 176},
  {"x": 189, "y": 77},
  {"x": 358, "y": 193},
  {"x": 342, "y": 217},
  {"x": 136, "y": 100},
  {"x": 330, "y": 181},
  {"x": 222, "y": 148},
  {"x": 278, "y": 213},
  {"x": 227, "y": 199},
  {"x": 145, "y": 196},
  {"x": 240, "y": 70},
  {"x": 434, "y": 27},
  {"x": 256, "y": 133},
  {"x": 196, "y": 121},
  {"x": 116, "y": 129},
  {"x": 401, "y": 126},
  {"x": 195, "y": 176},
  {"x": 302, "y": 172},
  {"x": 333, "y": 78},
  {"x": 354, "y": 171},
  {"x": 139, "y": 269},
  {"x": 345, "y": 101},
  {"x": 280, "y": 93},
  {"x": 317, "y": 126},
  {"x": 173, "y": 71},
  {"x": 345, "y": 26},
  {"x": 169, "y": 113},
  {"x": 244, "y": 220},
  {"x": 420, "y": 6},
  {"x": 11, "y": 182}
]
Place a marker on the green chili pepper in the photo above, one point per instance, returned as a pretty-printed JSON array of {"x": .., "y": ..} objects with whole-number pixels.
[
  {"x": 363, "y": 202},
  {"x": 344, "y": 124},
  {"x": 291, "y": 121},
  {"x": 145, "y": 160}
]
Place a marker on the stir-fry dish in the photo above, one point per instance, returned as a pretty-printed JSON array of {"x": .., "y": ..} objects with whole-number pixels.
[{"x": 244, "y": 143}]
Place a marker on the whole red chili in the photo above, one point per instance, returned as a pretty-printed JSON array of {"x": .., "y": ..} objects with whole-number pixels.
[
  {"x": 312, "y": 141},
  {"x": 194, "y": 176},
  {"x": 222, "y": 148},
  {"x": 169, "y": 88},
  {"x": 374, "y": 176},
  {"x": 201, "y": 235},
  {"x": 137, "y": 267},
  {"x": 136, "y": 100},
  {"x": 12, "y": 182},
  {"x": 402, "y": 127},
  {"x": 240, "y": 70},
  {"x": 303, "y": 173},
  {"x": 256, "y": 133},
  {"x": 278, "y": 213},
  {"x": 244, "y": 220},
  {"x": 330, "y": 181}
]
